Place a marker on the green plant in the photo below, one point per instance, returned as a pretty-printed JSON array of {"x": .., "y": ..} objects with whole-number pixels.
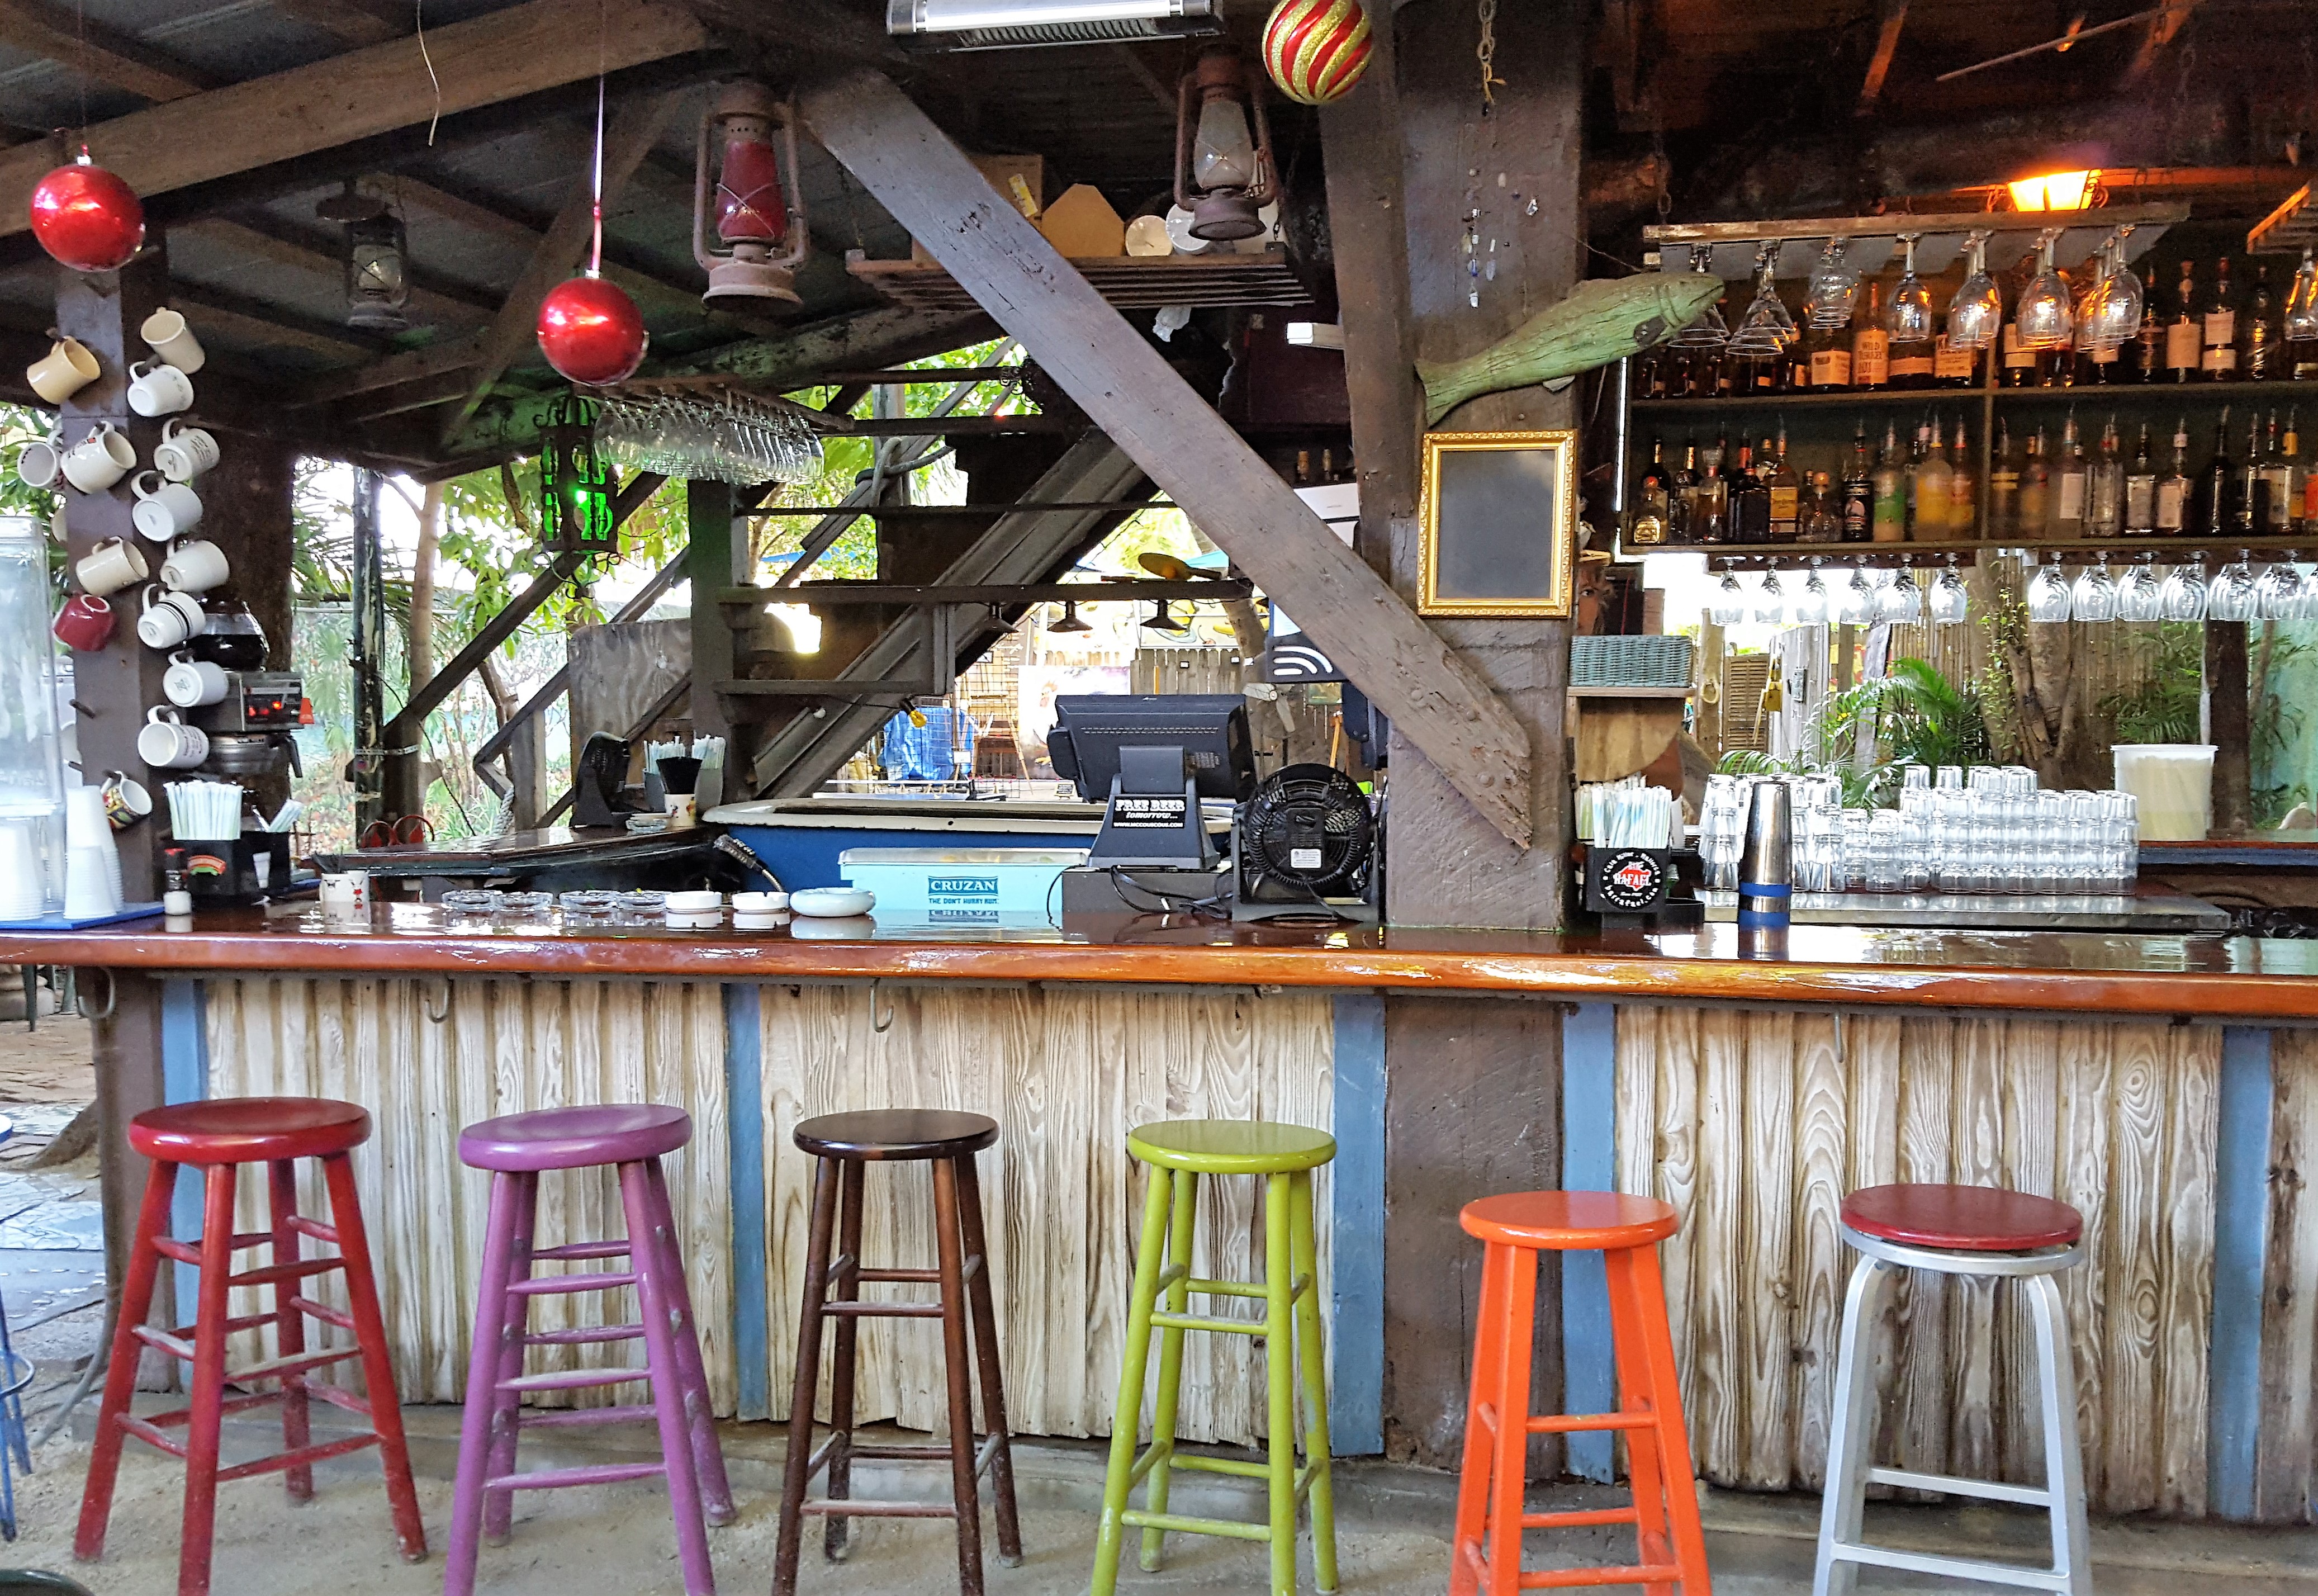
[
  {"x": 1925, "y": 719},
  {"x": 1911, "y": 716},
  {"x": 2163, "y": 705}
]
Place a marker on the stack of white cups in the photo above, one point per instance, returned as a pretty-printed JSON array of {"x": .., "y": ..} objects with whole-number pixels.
[
  {"x": 92, "y": 862},
  {"x": 20, "y": 872}
]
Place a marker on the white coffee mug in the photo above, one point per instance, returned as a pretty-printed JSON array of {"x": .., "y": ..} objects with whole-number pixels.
[
  {"x": 165, "y": 510},
  {"x": 167, "y": 619},
  {"x": 195, "y": 566},
  {"x": 159, "y": 388},
  {"x": 189, "y": 683},
  {"x": 101, "y": 459},
  {"x": 64, "y": 371},
  {"x": 168, "y": 744},
  {"x": 183, "y": 452},
  {"x": 114, "y": 564},
  {"x": 40, "y": 464},
  {"x": 164, "y": 332}
]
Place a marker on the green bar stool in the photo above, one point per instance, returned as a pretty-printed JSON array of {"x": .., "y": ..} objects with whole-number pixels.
[{"x": 1285, "y": 1156}]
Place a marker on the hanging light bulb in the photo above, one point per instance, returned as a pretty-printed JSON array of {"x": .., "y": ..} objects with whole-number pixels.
[
  {"x": 1070, "y": 621},
  {"x": 87, "y": 217},
  {"x": 1223, "y": 158},
  {"x": 763, "y": 232}
]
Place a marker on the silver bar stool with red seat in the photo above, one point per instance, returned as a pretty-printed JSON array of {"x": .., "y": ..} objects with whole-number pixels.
[{"x": 1988, "y": 1232}]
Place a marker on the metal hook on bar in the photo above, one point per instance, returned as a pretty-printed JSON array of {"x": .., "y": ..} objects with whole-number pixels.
[
  {"x": 111, "y": 996},
  {"x": 877, "y": 1024},
  {"x": 433, "y": 1013}
]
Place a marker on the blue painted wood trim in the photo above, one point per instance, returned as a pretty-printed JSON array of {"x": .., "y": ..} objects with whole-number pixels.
[
  {"x": 1589, "y": 1151},
  {"x": 185, "y": 1079},
  {"x": 2241, "y": 1239},
  {"x": 744, "y": 1099},
  {"x": 1356, "y": 1228}
]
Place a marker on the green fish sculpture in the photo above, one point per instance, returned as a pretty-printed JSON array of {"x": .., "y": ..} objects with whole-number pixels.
[{"x": 1603, "y": 318}]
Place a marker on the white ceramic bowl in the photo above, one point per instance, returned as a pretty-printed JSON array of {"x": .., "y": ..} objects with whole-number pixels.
[
  {"x": 759, "y": 903},
  {"x": 833, "y": 903},
  {"x": 826, "y": 929}
]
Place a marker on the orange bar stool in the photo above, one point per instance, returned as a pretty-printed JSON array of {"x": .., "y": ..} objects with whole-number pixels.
[
  {"x": 217, "y": 1137},
  {"x": 1626, "y": 1231}
]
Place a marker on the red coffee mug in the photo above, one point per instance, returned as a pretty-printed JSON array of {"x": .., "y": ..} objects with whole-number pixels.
[{"x": 85, "y": 623}]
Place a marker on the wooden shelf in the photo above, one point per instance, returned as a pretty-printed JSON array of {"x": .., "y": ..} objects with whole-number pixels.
[
  {"x": 2120, "y": 550},
  {"x": 2156, "y": 394},
  {"x": 1129, "y": 283}
]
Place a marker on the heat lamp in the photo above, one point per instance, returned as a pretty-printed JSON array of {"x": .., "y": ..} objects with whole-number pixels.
[{"x": 762, "y": 231}]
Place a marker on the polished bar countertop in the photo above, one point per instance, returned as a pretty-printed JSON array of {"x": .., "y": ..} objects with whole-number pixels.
[{"x": 2198, "y": 976}]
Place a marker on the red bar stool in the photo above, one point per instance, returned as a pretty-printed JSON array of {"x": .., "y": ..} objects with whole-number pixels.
[
  {"x": 217, "y": 1137},
  {"x": 1954, "y": 1230},
  {"x": 1488, "y": 1549}
]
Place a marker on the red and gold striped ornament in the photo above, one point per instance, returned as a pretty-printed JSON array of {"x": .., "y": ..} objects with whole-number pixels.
[{"x": 1316, "y": 49}]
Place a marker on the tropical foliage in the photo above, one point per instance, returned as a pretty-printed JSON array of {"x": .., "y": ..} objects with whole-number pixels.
[{"x": 1866, "y": 735}]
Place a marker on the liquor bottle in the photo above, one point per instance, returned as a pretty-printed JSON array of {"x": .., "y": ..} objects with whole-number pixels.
[
  {"x": 1890, "y": 524},
  {"x": 2148, "y": 361},
  {"x": 1871, "y": 345},
  {"x": 2247, "y": 484},
  {"x": 1964, "y": 507},
  {"x": 2218, "y": 363},
  {"x": 1712, "y": 522},
  {"x": 2105, "y": 491},
  {"x": 2273, "y": 512},
  {"x": 2293, "y": 485},
  {"x": 2071, "y": 478},
  {"x": 1822, "y": 519},
  {"x": 1750, "y": 501},
  {"x": 1935, "y": 485},
  {"x": 1682, "y": 523},
  {"x": 2181, "y": 338},
  {"x": 2261, "y": 353},
  {"x": 2035, "y": 491},
  {"x": 2022, "y": 365},
  {"x": 1794, "y": 377},
  {"x": 1914, "y": 463},
  {"x": 1328, "y": 466},
  {"x": 1648, "y": 529},
  {"x": 2301, "y": 353},
  {"x": 1953, "y": 367},
  {"x": 1830, "y": 359},
  {"x": 1303, "y": 468},
  {"x": 1786, "y": 493},
  {"x": 2003, "y": 486},
  {"x": 2141, "y": 492},
  {"x": 1911, "y": 362},
  {"x": 2211, "y": 514},
  {"x": 2173, "y": 487},
  {"x": 2100, "y": 365},
  {"x": 1858, "y": 496}
]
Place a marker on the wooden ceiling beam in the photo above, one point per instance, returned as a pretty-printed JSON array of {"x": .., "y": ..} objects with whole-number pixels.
[
  {"x": 2162, "y": 28},
  {"x": 353, "y": 21},
  {"x": 406, "y": 366},
  {"x": 1879, "y": 65},
  {"x": 112, "y": 57},
  {"x": 245, "y": 321},
  {"x": 490, "y": 218},
  {"x": 634, "y": 129},
  {"x": 431, "y": 302},
  {"x": 541, "y": 44}
]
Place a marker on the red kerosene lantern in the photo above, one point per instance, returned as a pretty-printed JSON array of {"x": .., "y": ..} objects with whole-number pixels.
[
  {"x": 763, "y": 232},
  {"x": 87, "y": 217},
  {"x": 591, "y": 331}
]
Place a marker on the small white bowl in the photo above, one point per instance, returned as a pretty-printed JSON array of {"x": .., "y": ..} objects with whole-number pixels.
[
  {"x": 693, "y": 903},
  {"x": 833, "y": 903},
  {"x": 826, "y": 929},
  {"x": 759, "y": 903}
]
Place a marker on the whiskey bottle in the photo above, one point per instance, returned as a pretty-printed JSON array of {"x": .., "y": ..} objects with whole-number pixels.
[
  {"x": 2105, "y": 491},
  {"x": 1871, "y": 345},
  {"x": 2219, "y": 360},
  {"x": 2072, "y": 479},
  {"x": 2141, "y": 492},
  {"x": 2003, "y": 486},
  {"x": 1648, "y": 530},
  {"x": 1786, "y": 493},
  {"x": 2035, "y": 491},
  {"x": 1858, "y": 511},
  {"x": 2181, "y": 338},
  {"x": 2148, "y": 358},
  {"x": 2173, "y": 487},
  {"x": 2261, "y": 356}
]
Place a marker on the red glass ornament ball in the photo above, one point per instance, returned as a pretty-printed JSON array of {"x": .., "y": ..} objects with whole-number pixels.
[
  {"x": 591, "y": 331},
  {"x": 87, "y": 217},
  {"x": 1316, "y": 49}
]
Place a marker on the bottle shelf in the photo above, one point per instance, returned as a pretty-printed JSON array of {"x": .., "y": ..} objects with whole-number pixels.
[
  {"x": 2153, "y": 393},
  {"x": 2117, "y": 551}
]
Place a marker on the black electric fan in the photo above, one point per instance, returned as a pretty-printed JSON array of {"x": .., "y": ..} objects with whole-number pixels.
[{"x": 1308, "y": 843}]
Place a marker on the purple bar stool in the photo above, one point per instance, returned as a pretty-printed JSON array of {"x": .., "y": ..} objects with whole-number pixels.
[{"x": 516, "y": 1149}]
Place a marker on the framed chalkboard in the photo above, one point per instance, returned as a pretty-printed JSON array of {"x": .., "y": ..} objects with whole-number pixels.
[{"x": 1499, "y": 514}]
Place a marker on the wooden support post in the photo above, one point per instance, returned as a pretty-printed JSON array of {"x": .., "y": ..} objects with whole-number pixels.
[
  {"x": 525, "y": 755},
  {"x": 1473, "y": 1099},
  {"x": 2229, "y": 724},
  {"x": 717, "y": 556}
]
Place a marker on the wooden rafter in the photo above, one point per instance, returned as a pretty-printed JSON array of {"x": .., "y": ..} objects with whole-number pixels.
[
  {"x": 493, "y": 220},
  {"x": 1437, "y": 701},
  {"x": 537, "y": 45},
  {"x": 1887, "y": 45},
  {"x": 111, "y": 57},
  {"x": 2162, "y": 28},
  {"x": 634, "y": 129},
  {"x": 277, "y": 246},
  {"x": 246, "y": 322},
  {"x": 357, "y": 21},
  {"x": 408, "y": 365}
]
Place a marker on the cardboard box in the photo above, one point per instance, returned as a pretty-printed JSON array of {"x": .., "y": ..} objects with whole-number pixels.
[{"x": 1001, "y": 171}]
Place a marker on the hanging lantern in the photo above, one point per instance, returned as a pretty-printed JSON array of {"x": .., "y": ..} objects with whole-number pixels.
[
  {"x": 378, "y": 259},
  {"x": 1316, "y": 49},
  {"x": 87, "y": 217},
  {"x": 1222, "y": 167},
  {"x": 591, "y": 332},
  {"x": 575, "y": 483},
  {"x": 762, "y": 233}
]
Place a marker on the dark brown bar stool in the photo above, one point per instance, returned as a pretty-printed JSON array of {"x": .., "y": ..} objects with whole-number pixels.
[{"x": 845, "y": 1143}]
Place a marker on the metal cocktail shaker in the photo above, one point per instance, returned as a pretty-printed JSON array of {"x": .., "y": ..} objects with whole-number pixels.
[{"x": 1765, "y": 864}]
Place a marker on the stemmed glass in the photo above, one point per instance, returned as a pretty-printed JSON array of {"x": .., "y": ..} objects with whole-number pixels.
[
  {"x": 1977, "y": 310},
  {"x": 2114, "y": 307},
  {"x": 1899, "y": 601},
  {"x": 2230, "y": 596},
  {"x": 1834, "y": 288},
  {"x": 2142, "y": 596},
  {"x": 2095, "y": 596},
  {"x": 1766, "y": 328},
  {"x": 1708, "y": 330},
  {"x": 1908, "y": 317},
  {"x": 1729, "y": 606},
  {"x": 1951, "y": 601},
  {"x": 2277, "y": 596},
  {"x": 1810, "y": 604},
  {"x": 2310, "y": 594},
  {"x": 2185, "y": 590},
  {"x": 2048, "y": 594},
  {"x": 1856, "y": 604},
  {"x": 1771, "y": 602},
  {"x": 2044, "y": 317}
]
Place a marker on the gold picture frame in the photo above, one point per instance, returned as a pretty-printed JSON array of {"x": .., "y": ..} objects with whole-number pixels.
[{"x": 1498, "y": 519}]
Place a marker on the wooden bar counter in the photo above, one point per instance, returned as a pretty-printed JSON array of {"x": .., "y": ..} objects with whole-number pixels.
[{"x": 2164, "y": 1085}]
